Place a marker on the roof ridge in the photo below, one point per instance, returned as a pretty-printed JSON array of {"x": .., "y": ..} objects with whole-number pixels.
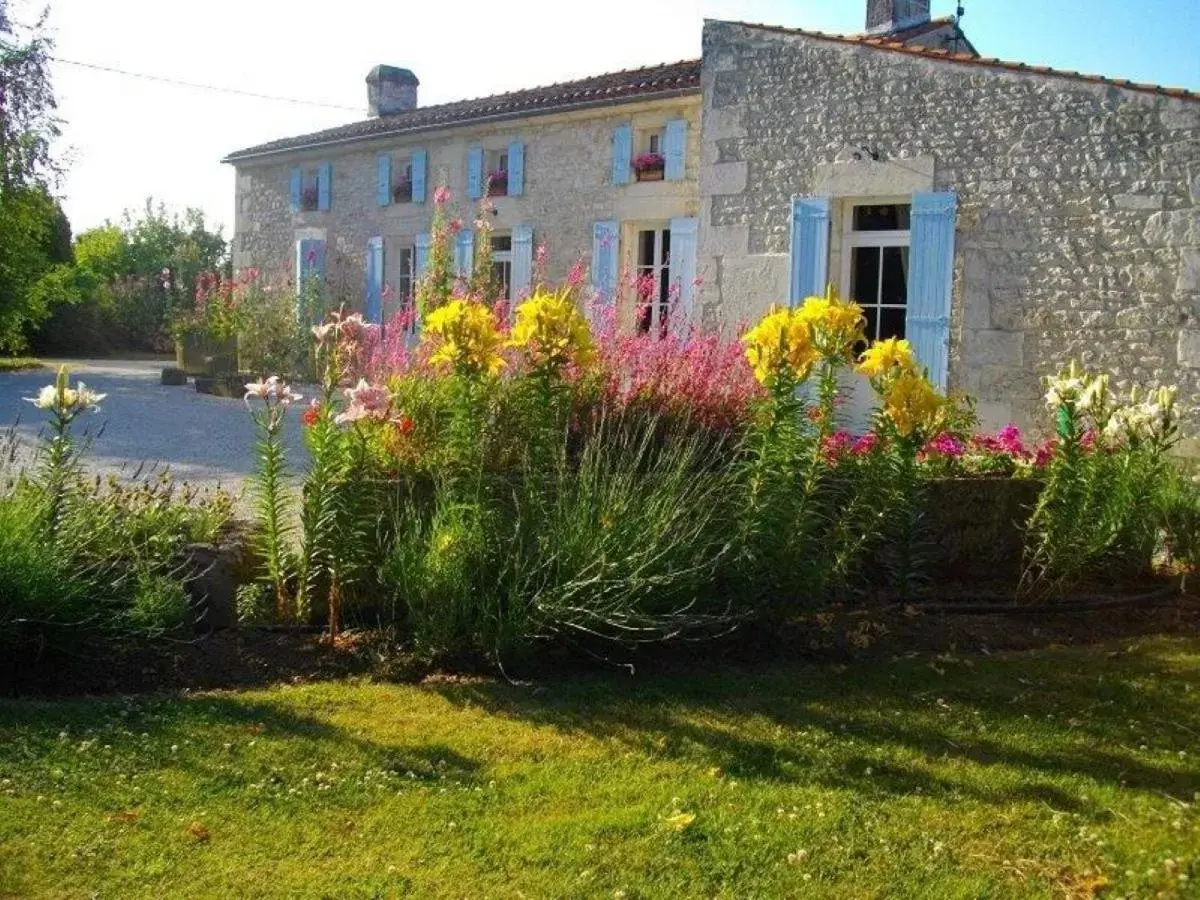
[
  {"x": 660, "y": 79},
  {"x": 882, "y": 42}
]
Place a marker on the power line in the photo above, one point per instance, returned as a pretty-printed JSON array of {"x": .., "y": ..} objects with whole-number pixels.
[{"x": 202, "y": 87}]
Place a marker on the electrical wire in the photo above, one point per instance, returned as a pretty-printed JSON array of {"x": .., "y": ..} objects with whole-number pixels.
[{"x": 203, "y": 87}]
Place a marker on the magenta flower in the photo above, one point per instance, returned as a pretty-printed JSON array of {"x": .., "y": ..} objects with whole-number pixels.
[
  {"x": 441, "y": 196},
  {"x": 865, "y": 444},
  {"x": 837, "y": 445},
  {"x": 945, "y": 445}
]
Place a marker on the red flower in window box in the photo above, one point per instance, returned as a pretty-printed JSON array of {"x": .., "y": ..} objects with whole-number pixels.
[
  {"x": 310, "y": 198},
  {"x": 497, "y": 183},
  {"x": 648, "y": 162}
]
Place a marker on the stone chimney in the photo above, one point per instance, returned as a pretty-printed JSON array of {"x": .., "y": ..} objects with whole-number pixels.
[
  {"x": 885, "y": 16},
  {"x": 391, "y": 91}
]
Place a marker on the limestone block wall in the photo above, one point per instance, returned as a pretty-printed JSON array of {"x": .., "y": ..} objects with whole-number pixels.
[
  {"x": 568, "y": 187},
  {"x": 1079, "y": 203}
]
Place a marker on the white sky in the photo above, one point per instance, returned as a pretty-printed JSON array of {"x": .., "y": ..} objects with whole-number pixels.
[{"x": 128, "y": 139}]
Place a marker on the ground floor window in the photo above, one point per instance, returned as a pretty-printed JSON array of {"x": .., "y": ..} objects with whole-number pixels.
[
  {"x": 400, "y": 297},
  {"x": 876, "y": 266},
  {"x": 502, "y": 265},
  {"x": 653, "y": 285}
]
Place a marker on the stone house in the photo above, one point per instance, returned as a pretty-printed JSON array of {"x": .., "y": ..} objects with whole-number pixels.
[{"x": 1004, "y": 218}]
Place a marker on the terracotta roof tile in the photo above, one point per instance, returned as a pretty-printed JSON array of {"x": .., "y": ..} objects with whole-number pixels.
[
  {"x": 615, "y": 87},
  {"x": 891, "y": 44}
]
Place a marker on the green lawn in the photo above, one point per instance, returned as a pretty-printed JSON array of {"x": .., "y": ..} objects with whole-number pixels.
[
  {"x": 1040, "y": 774},
  {"x": 18, "y": 363}
]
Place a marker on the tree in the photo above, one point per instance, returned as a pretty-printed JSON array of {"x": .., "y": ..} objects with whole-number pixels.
[
  {"x": 32, "y": 231},
  {"x": 28, "y": 124}
]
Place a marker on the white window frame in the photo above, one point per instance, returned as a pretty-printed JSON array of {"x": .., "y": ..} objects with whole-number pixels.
[
  {"x": 504, "y": 257},
  {"x": 852, "y": 240},
  {"x": 660, "y": 265},
  {"x": 401, "y": 248},
  {"x": 655, "y": 136}
]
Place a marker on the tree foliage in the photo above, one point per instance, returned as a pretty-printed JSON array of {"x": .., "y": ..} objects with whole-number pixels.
[{"x": 28, "y": 121}]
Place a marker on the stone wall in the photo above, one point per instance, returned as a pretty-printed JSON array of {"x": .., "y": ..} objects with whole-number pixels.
[
  {"x": 1079, "y": 202},
  {"x": 568, "y": 187}
]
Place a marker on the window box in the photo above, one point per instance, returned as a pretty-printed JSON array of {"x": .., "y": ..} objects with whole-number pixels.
[
  {"x": 310, "y": 199},
  {"x": 402, "y": 192},
  {"x": 650, "y": 166},
  {"x": 498, "y": 183}
]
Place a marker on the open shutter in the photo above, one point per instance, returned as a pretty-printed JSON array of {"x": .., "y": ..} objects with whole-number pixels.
[
  {"x": 374, "y": 304},
  {"x": 522, "y": 262},
  {"x": 475, "y": 173},
  {"x": 516, "y": 169},
  {"x": 683, "y": 269},
  {"x": 420, "y": 255},
  {"x": 420, "y": 165},
  {"x": 930, "y": 281},
  {"x": 383, "y": 167},
  {"x": 622, "y": 155},
  {"x": 605, "y": 246},
  {"x": 464, "y": 253},
  {"x": 324, "y": 186},
  {"x": 296, "y": 186},
  {"x": 675, "y": 149},
  {"x": 810, "y": 248}
]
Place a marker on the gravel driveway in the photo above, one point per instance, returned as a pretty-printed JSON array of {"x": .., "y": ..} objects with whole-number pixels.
[{"x": 200, "y": 439}]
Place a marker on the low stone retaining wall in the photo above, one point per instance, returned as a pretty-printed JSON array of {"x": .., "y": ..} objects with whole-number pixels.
[{"x": 975, "y": 527}]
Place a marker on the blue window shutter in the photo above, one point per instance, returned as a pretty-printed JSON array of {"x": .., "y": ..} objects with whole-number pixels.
[
  {"x": 810, "y": 248},
  {"x": 605, "y": 247},
  {"x": 622, "y": 172},
  {"x": 930, "y": 282},
  {"x": 516, "y": 169},
  {"x": 420, "y": 254},
  {"x": 324, "y": 186},
  {"x": 464, "y": 253},
  {"x": 420, "y": 163},
  {"x": 675, "y": 150},
  {"x": 475, "y": 173},
  {"x": 384, "y": 169},
  {"x": 374, "y": 304},
  {"x": 683, "y": 269},
  {"x": 522, "y": 262},
  {"x": 297, "y": 185}
]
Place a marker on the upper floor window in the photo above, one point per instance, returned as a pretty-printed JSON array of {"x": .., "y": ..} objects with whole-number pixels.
[
  {"x": 402, "y": 182},
  {"x": 497, "y": 173},
  {"x": 310, "y": 192},
  {"x": 650, "y": 163},
  {"x": 311, "y": 188},
  {"x": 876, "y": 265}
]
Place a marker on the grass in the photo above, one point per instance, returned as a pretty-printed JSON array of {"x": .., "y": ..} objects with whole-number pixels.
[
  {"x": 1040, "y": 774},
  {"x": 18, "y": 363}
]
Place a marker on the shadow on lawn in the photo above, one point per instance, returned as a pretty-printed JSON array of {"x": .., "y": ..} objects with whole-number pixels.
[
  {"x": 1043, "y": 716},
  {"x": 198, "y": 726}
]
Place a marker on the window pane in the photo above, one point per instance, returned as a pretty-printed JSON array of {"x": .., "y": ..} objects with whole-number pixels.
[
  {"x": 872, "y": 315},
  {"x": 501, "y": 243},
  {"x": 864, "y": 274},
  {"x": 646, "y": 248},
  {"x": 502, "y": 275},
  {"x": 895, "y": 276},
  {"x": 666, "y": 245},
  {"x": 888, "y": 217},
  {"x": 891, "y": 323}
]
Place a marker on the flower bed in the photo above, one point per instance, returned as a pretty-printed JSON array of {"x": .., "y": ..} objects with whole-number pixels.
[{"x": 512, "y": 478}]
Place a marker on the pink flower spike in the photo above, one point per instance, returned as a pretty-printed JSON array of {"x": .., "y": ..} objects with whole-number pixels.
[{"x": 441, "y": 195}]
